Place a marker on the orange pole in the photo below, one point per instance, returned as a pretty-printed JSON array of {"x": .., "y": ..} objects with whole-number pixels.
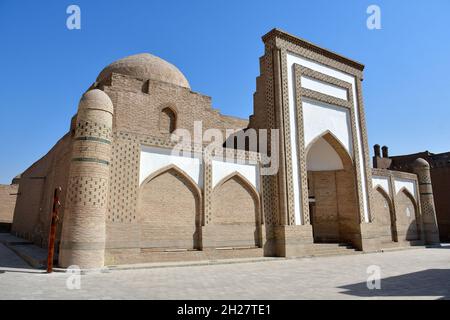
[{"x": 52, "y": 233}]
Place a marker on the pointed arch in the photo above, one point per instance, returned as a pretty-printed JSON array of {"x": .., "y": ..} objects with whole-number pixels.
[
  {"x": 332, "y": 194},
  {"x": 409, "y": 195},
  {"x": 178, "y": 170},
  {"x": 384, "y": 217},
  {"x": 409, "y": 227},
  {"x": 244, "y": 180},
  {"x": 170, "y": 210},
  {"x": 388, "y": 199},
  {"x": 384, "y": 192},
  {"x": 337, "y": 145},
  {"x": 236, "y": 218}
]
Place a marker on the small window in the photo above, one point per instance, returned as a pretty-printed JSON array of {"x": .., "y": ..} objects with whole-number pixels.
[{"x": 168, "y": 120}]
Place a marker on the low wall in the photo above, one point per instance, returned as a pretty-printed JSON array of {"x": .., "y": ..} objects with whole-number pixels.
[{"x": 8, "y": 196}]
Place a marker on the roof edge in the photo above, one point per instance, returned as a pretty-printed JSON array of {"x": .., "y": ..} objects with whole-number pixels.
[{"x": 275, "y": 32}]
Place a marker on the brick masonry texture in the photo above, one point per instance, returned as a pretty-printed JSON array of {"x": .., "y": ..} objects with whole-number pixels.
[
  {"x": 109, "y": 217},
  {"x": 8, "y": 195}
]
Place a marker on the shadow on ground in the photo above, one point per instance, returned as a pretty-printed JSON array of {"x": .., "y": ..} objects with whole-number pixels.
[
  {"x": 443, "y": 245},
  {"x": 11, "y": 262},
  {"x": 426, "y": 283}
]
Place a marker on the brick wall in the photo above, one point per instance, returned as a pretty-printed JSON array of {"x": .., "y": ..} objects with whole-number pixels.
[
  {"x": 169, "y": 213},
  {"x": 235, "y": 216},
  {"x": 397, "y": 214},
  {"x": 8, "y": 195},
  {"x": 36, "y": 187},
  {"x": 164, "y": 213},
  {"x": 440, "y": 177},
  {"x": 382, "y": 212}
]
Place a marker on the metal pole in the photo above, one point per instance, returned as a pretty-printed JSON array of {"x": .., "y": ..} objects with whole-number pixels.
[{"x": 52, "y": 233}]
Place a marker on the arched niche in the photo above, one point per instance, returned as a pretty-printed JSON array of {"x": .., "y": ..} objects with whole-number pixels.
[
  {"x": 170, "y": 211},
  {"x": 236, "y": 215},
  {"x": 333, "y": 205},
  {"x": 168, "y": 120},
  {"x": 384, "y": 215},
  {"x": 407, "y": 216}
]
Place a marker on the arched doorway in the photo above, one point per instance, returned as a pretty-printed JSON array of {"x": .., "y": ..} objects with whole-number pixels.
[
  {"x": 169, "y": 211},
  {"x": 332, "y": 192},
  {"x": 236, "y": 213},
  {"x": 384, "y": 216},
  {"x": 407, "y": 216}
]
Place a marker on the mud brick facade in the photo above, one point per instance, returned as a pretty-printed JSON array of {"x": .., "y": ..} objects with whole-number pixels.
[
  {"x": 439, "y": 164},
  {"x": 8, "y": 196},
  {"x": 141, "y": 182}
]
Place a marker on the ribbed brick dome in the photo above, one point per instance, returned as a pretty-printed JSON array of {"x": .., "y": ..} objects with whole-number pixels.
[{"x": 146, "y": 66}]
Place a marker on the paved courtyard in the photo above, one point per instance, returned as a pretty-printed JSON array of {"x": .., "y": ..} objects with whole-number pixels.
[{"x": 412, "y": 274}]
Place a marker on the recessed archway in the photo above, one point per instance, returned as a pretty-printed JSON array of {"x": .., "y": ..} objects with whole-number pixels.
[
  {"x": 169, "y": 211},
  {"x": 406, "y": 215},
  {"x": 334, "y": 213},
  {"x": 236, "y": 210},
  {"x": 384, "y": 215}
]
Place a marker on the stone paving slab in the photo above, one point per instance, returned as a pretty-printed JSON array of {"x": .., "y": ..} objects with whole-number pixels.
[
  {"x": 408, "y": 274},
  {"x": 9, "y": 239},
  {"x": 189, "y": 263}
]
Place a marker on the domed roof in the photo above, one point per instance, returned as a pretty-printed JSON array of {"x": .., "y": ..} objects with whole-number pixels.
[
  {"x": 96, "y": 99},
  {"x": 146, "y": 66},
  {"x": 420, "y": 162}
]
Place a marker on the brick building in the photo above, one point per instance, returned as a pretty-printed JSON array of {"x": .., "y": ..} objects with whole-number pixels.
[
  {"x": 129, "y": 198},
  {"x": 8, "y": 196},
  {"x": 440, "y": 179}
]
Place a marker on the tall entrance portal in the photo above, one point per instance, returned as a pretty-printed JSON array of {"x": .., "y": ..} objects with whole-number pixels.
[{"x": 332, "y": 191}]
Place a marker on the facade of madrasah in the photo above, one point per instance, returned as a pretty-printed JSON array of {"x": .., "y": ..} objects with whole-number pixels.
[{"x": 127, "y": 198}]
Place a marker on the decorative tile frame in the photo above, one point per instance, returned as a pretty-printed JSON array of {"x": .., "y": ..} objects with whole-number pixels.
[
  {"x": 273, "y": 194},
  {"x": 287, "y": 134},
  {"x": 300, "y": 93},
  {"x": 282, "y": 42}
]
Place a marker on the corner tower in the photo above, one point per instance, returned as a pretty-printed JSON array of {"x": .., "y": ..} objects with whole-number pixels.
[
  {"x": 431, "y": 232},
  {"x": 83, "y": 233}
]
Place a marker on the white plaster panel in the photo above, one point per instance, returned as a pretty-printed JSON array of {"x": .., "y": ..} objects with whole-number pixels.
[
  {"x": 408, "y": 184},
  {"x": 322, "y": 157},
  {"x": 221, "y": 169},
  {"x": 153, "y": 159},
  {"x": 383, "y": 182},
  {"x": 319, "y": 117},
  {"x": 323, "y": 87},
  {"x": 294, "y": 59}
]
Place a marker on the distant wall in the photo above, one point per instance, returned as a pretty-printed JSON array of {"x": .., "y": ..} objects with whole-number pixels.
[
  {"x": 36, "y": 187},
  {"x": 8, "y": 195},
  {"x": 440, "y": 179}
]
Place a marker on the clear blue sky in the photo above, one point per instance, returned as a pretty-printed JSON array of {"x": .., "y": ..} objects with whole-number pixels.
[{"x": 45, "y": 67}]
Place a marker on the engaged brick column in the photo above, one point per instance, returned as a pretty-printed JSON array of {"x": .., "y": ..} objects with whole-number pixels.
[
  {"x": 83, "y": 233},
  {"x": 430, "y": 227}
]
